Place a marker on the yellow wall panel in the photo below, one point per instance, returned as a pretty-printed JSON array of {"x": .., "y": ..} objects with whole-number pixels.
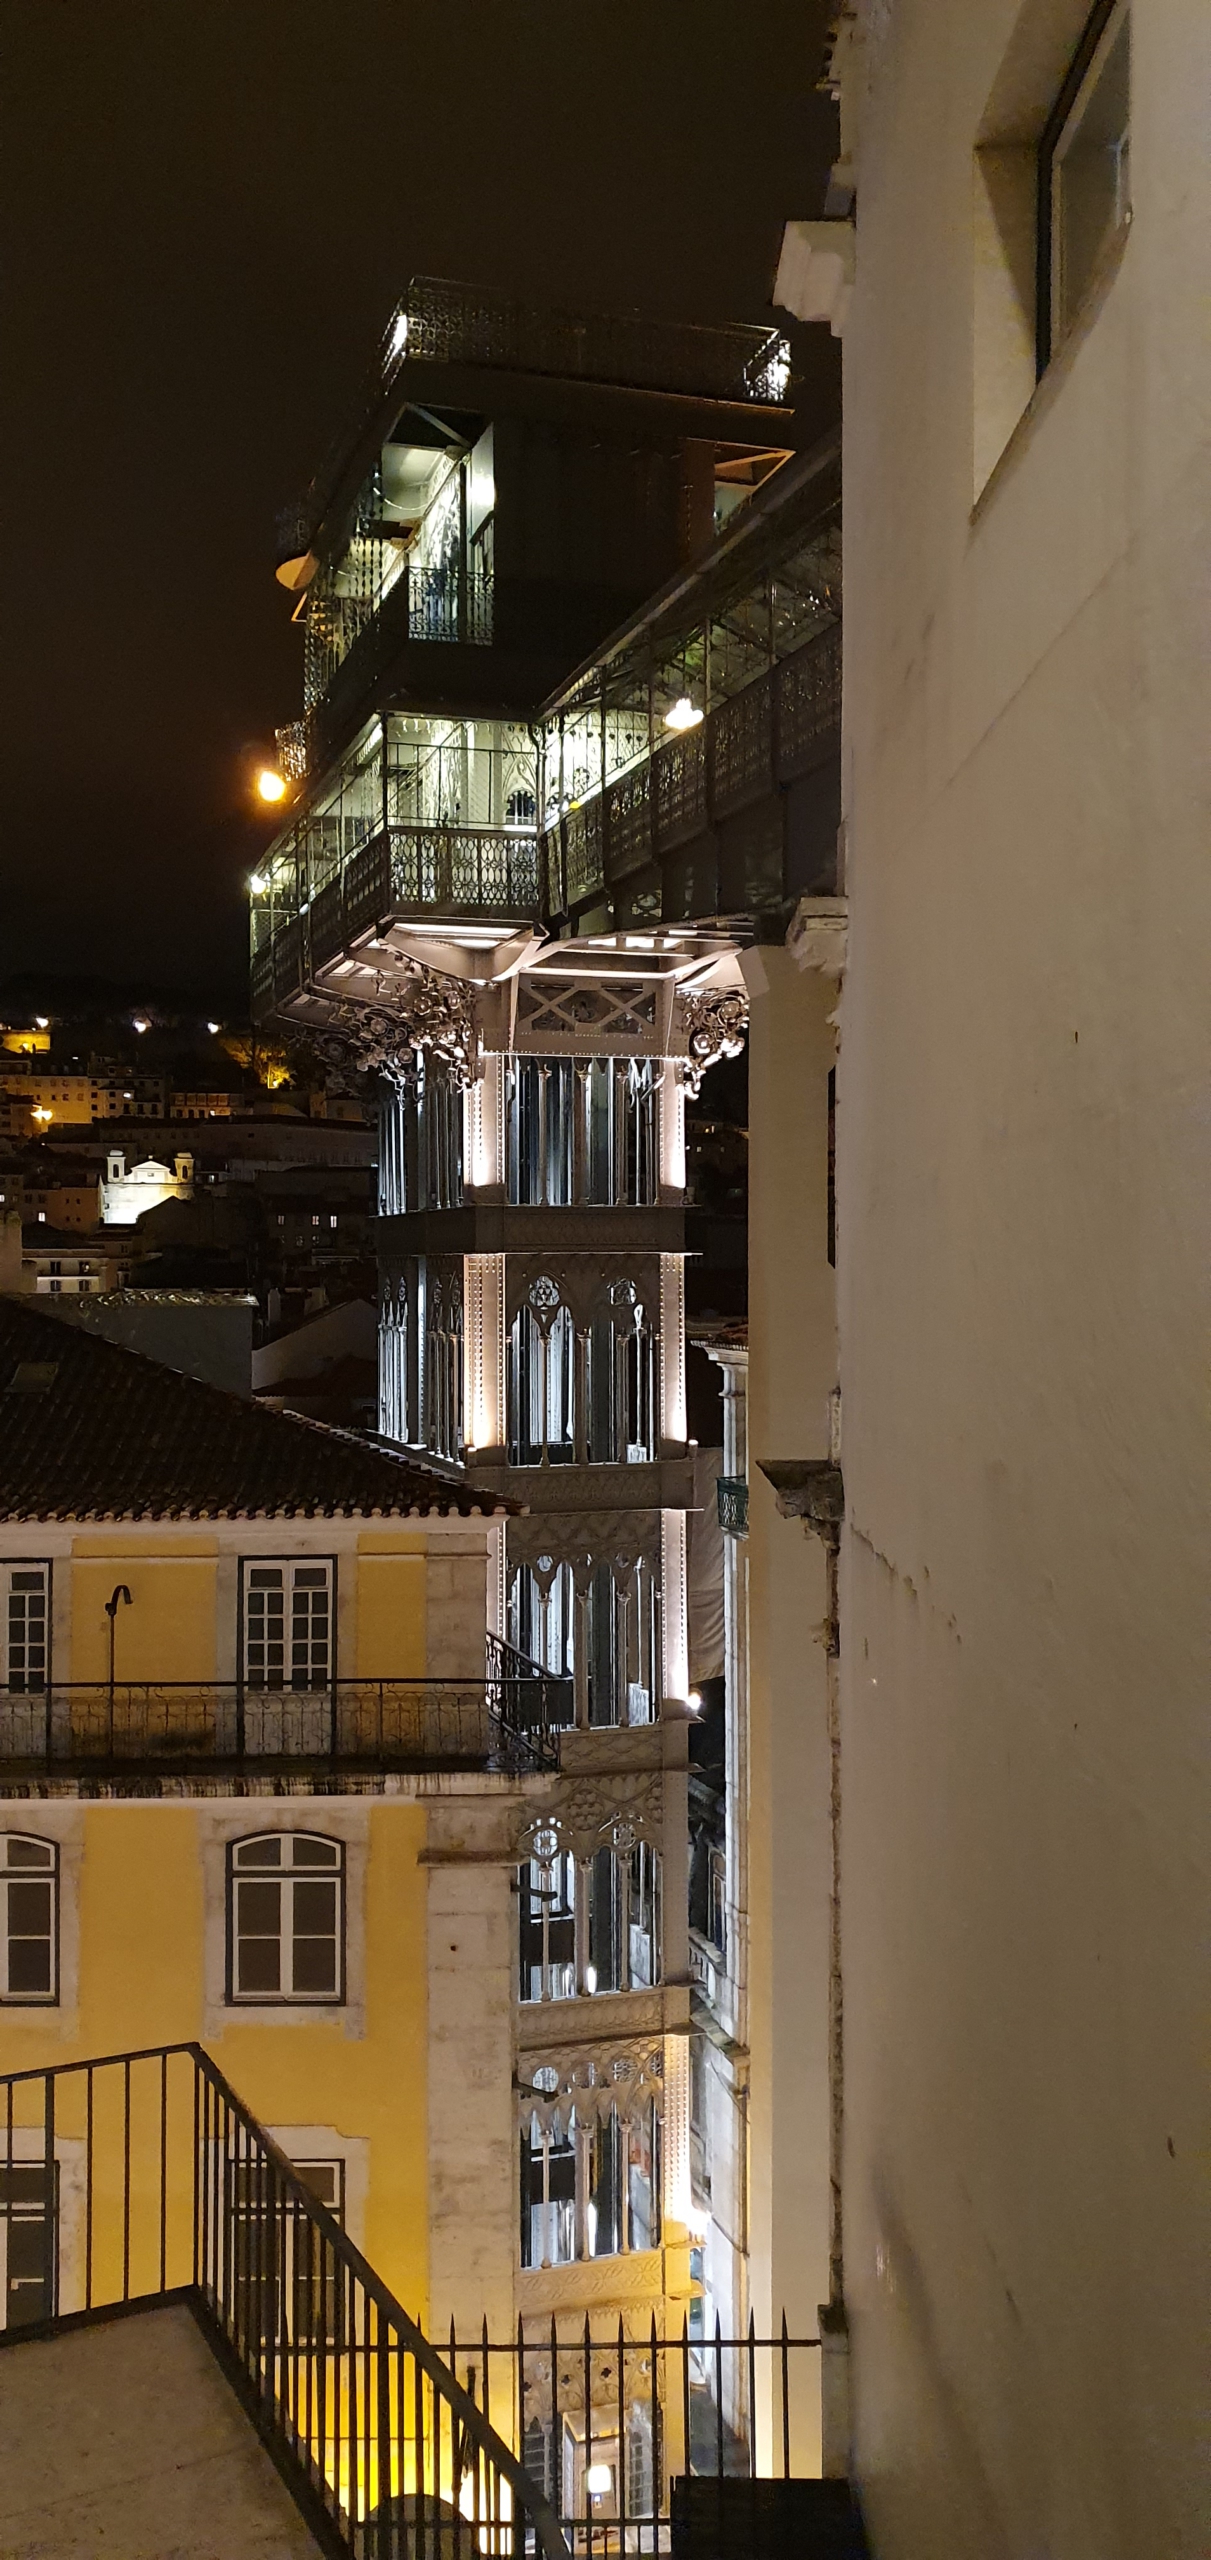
[
  {"x": 391, "y": 1617},
  {"x": 140, "y": 1927},
  {"x": 167, "y": 1633}
]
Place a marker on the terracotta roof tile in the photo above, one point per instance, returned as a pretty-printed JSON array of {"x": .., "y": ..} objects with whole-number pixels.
[{"x": 90, "y": 1431}]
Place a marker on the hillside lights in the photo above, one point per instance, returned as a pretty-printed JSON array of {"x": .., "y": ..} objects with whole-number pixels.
[
  {"x": 682, "y": 714},
  {"x": 271, "y": 786}
]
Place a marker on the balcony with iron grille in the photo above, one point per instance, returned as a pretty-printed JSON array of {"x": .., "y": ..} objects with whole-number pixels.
[
  {"x": 130, "y": 1737},
  {"x": 425, "y": 821},
  {"x": 692, "y": 769}
]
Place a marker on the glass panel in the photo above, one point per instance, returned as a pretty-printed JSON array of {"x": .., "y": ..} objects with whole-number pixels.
[
  {"x": 309, "y": 1629},
  {"x": 259, "y": 1965},
  {"x": 1093, "y": 169},
  {"x": 605, "y": 2199},
  {"x": 643, "y": 2182},
  {"x": 27, "y": 1627},
  {"x": 308, "y": 1852},
  {"x": 605, "y": 1922},
  {"x": 548, "y": 1929},
  {"x": 259, "y": 1853},
  {"x": 315, "y": 1965},
  {"x": 265, "y": 1628},
  {"x": 258, "y": 1941}
]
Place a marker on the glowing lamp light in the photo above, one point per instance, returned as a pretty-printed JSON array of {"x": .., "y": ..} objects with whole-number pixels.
[
  {"x": 399, "y": 337},
  {"x": 682, "y": 714},
  {"x": 258, "y": 884},
  {"x": 42, "y": 1021},
  {"x": 694, "y": 1702},
  {"x": 213, "y": 1026},
  {"x": 41, "y": 1112},
  {"x": 599, "y": 2479},
  {"x": 140, "y": 1022},
  {"x": 270, "y": 785}
]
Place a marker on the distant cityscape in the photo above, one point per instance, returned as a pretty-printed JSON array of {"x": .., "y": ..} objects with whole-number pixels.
[{"x": 150, "y": 1150}]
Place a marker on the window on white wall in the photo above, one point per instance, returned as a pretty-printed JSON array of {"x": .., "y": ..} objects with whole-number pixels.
[
  {"x": 1084, "y": 171},
  {"x": 288, "y": 1615},
  {"x": 29, "y": 1918},
  {"x": 26, "y": 1626},
  {"x": 286, "y": 1918}
]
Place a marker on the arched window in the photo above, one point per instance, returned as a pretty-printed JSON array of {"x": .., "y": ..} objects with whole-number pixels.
[
  {"x": 444, "y": 1366},
  {"x": 594, "y": 1929},
  {"x": 393, "y": 1361},
  {"x": 547, "y": 1922},
  {"x": 541, "y": 1611},
  {"x": 29, "y": 1918},
  {"x": 622, "y": 1381},
  {"x": 581, "y": 1130},
  {"x": 392, "y": 1148},
  {"x": 542, "y": 1379},
  {"x": 590, "y": 2184},
  {"x": 622, "y": 1633},
  {"x": 286, "y": 1918}
]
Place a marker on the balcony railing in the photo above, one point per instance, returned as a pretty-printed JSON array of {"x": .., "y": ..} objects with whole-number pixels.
[
  {"x": 199, "y": 1728},
  {"x": 181, "y": 2202},
  {"x": 446, "y": 871},
  {"x": 743, "y": 757}
]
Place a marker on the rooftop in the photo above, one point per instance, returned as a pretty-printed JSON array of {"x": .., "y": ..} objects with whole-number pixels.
[
  {"x": 90, "y": 1431},
  {"x": 474, "y": 328}
]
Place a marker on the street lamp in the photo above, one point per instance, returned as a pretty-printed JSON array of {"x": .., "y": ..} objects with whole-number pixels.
[
  {"x": 271, "y": 786},
  {"x": 119, "y": 1593}
]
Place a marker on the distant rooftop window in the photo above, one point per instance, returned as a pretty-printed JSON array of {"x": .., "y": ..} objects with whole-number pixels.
[{"x": 33, "y": 1377}]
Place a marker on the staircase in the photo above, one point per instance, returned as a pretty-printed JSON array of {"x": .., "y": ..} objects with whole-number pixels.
[
  {"x": 196, "y": 2359},
  {"x": 158, "y": 2240}
]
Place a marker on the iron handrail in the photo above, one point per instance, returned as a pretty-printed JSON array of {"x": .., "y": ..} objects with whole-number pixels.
[
  {"x": 508, "y": 1719},
  {"x": 236, "y": 2266}
]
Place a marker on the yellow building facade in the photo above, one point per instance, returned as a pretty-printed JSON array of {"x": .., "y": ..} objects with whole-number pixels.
[
  {"x": 226, "y": 1749},
  {"x": 271, "y": 1783}
]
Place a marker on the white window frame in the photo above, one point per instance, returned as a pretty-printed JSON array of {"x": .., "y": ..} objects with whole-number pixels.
[
  {"x": 298, "y": 1576},
  {"x": 15, "y": 1872},
  {"x": 1107, "y": 21},
  {"x": 288, "y": 1873},
  {"x": 14, "y": 1567}
]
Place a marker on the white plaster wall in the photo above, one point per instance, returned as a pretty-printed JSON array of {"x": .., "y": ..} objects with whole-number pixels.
[
  {"x": 792, "y": 1370},
  {"x": 458, "y": 1585},
  {"x": 474, "y": 2194},
  {"x": 1024, "y": 1248}
]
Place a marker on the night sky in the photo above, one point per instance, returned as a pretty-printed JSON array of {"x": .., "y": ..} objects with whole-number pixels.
[{"x": 208, "y": 209}]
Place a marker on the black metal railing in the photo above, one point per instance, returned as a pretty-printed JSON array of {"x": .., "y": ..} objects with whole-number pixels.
[
  {"x": 731, "y": 1497},
  {"x": 747, "y": 752},
  {"x": 493, "y": 870},
  {"x": 527, "y": 1699},
  {"x": 608, "y": 2424},
  {"x": 185, "y": 1728},
  {"x": 179, "y": 2197}
]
